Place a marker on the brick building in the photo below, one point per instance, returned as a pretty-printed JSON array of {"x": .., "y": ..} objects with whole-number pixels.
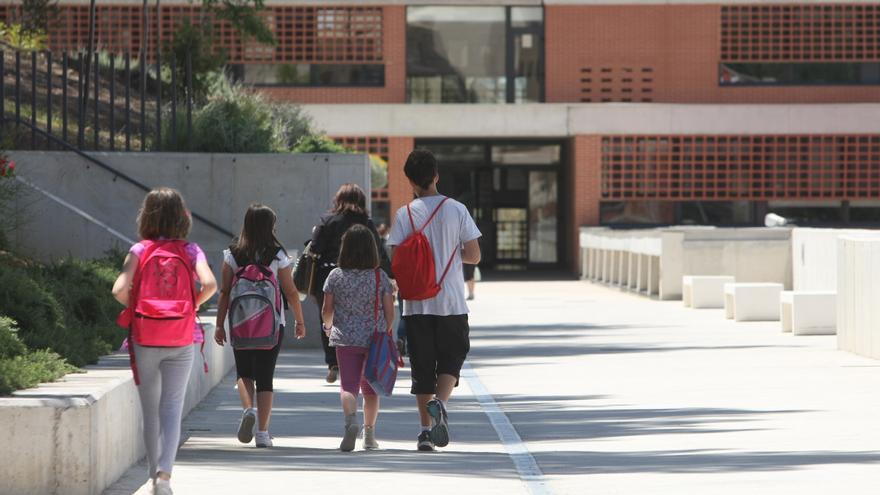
[{"x": 549, "y": 115}]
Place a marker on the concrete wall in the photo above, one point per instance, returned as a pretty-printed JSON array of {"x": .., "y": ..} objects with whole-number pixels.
[
  {"x": 218, "y": 186},
  {"x": 858, "y": 290},
  {"x": 79, "y": 435},
  {"x": 814, "y": 256},
  {"x": 749, "y": 254}
]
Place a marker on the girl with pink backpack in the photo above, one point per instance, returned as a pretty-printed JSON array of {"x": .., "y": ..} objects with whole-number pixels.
[
  {"x": 157, "y": 286},
  {"x": 256, "y": 272}
]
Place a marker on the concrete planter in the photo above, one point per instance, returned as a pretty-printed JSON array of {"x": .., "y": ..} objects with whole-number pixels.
[{"x": 79, "y": 435}]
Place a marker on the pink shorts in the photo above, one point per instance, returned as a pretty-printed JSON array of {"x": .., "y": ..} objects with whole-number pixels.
[{"x": 351, "y": 361}]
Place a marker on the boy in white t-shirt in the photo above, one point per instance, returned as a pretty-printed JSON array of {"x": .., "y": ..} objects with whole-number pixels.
[{"x": 437, "y": 328}]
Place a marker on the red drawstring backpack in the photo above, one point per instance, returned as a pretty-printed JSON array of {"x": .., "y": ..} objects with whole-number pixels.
[{"x": 413, "y": 263}]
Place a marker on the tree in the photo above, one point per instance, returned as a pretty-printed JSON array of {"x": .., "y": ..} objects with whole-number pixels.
[
  {"x": 243, "y": 16},
  {"x": 36, "y": 15}
]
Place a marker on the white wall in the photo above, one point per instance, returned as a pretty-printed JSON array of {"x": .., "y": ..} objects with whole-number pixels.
[
  {"x": 571, "y": 119},
  {"x": 858, "y": 291},
  {"x": 814, "y": 256}
]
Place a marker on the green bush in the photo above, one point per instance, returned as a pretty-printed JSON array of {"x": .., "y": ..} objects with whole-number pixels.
[
  {"x": 10, "y": 344},
  {"x": 20, "y": 368},
  {"x": 32, "y": 305},
  {"x": 83, "y": 290},
  {"x": 66, "y": 307},
  {"x": 293, "y": 123},
  {"x": 242, "y": 122},
  {"x": 319, "y": 144},
  {"x": 237, "y": 120}
]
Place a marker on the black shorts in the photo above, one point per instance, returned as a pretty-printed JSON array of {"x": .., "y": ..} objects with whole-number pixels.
[
  {"x": 468, "y": 271},
  {"x": 437, "y": 345},
  {"x": 259, "y": 365}
]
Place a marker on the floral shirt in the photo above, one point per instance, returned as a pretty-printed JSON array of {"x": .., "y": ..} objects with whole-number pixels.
[{"x": 354, "y": 300}]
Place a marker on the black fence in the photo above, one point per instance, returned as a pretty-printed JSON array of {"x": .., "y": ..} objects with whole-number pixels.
[{"x": 109, "y": 103}]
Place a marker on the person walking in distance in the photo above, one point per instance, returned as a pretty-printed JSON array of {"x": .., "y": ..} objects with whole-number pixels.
[
  {"x": 157, "y": 286},
  {"x": 358, "y": 301},
  {"x": 349, "y": 208},
  {"x": 258, "y": 245},
  {"x": 435, "y": 311}
]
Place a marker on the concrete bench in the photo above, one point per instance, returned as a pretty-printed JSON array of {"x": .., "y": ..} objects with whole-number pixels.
[
  {"x": 752, "y": 301},
  {"x": 704, "y": 291},
  {"x": 808, "y": 312}
]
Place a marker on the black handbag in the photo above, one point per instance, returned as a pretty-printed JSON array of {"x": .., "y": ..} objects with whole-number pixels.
[{"x": 305, "y": 273}]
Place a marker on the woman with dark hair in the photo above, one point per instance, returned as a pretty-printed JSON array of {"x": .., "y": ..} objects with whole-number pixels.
[{"x": 349, "y": 208}]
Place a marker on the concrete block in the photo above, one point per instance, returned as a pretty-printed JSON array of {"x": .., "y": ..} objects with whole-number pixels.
[
  {"x": 808, "y": 312},
  {"x": 704, "y": 291},
  {"x": 752, "y": 301},
  {"x": 80, "y": 434}
]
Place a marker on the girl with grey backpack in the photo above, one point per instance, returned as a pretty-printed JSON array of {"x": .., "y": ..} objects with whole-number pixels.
[{"x": 257, "y": 273}]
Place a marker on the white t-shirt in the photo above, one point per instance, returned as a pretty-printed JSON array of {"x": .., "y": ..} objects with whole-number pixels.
[
  {"x": 280, "y": 262},
  {"x": 447, "y": 233}
]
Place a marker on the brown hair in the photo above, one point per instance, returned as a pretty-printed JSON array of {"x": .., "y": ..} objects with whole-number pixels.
[
  {"x": 163, "y": 214},
  {"x": 257, "y": 242},
  {"x": 350, "y": 198},
  {"x": 358, "y": 251}
]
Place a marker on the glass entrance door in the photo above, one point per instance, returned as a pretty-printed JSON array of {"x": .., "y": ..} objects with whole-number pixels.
[{"x": 512, "y": 192}]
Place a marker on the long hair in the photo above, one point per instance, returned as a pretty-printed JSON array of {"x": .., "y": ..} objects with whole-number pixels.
[
  {"x": 163, "y": 215},
  {"x": 257, "y": 242},
  {"x": 350, "y": 198},
  {"x": 358, "y": 251}
]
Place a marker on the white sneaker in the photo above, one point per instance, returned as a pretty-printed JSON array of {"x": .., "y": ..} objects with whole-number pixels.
[
  {"x": 162, "y": 487},
  {"x": 246, "y": 426},
  {"x": 263, "y": 440}
]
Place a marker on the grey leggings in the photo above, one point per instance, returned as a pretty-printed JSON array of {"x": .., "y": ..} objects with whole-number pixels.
[{"x": 164, "y": 374}]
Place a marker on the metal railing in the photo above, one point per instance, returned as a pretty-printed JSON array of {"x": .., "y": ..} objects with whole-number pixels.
[{"x": 121, "y": 110}]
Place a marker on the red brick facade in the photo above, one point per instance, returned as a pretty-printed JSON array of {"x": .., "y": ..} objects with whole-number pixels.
[{"x": 595, "y": 53}]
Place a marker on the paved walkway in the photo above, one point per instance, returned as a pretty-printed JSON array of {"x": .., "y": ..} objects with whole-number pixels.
[{"x": 611, "y": 394}]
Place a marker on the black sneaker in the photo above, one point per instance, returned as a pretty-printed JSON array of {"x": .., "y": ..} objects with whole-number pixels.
[
  {"x": 425, "y": 444},
  {"x": 440, "y": 428}
]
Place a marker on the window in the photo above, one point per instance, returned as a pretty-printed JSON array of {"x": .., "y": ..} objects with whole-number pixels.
[
  {"x": 474, "y": 54},
  {"x": 368, "y": 75},
  {"x": 821, "y": 73}
]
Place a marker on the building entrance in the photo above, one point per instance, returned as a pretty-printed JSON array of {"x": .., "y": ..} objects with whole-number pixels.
[{"x": 512, "y": 191}]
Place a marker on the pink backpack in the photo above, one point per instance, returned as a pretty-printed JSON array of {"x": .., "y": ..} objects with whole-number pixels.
[
  {"x": 254, "y": 308},
  {"x": 163, "y": 296}
]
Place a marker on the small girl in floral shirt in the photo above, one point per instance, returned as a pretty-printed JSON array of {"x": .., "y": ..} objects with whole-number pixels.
[{"x": 350, "y": 318}]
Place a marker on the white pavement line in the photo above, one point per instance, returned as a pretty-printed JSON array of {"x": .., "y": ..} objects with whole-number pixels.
[{"x": 526, "y": 466}]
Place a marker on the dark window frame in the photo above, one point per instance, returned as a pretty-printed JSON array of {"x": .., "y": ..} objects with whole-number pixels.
[
  {"x": 750, "y": 84},
  {"x": 510, "y": 32},
  {"x": 238, "y": 70}
]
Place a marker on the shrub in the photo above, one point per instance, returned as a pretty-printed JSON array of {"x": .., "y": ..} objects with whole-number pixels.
[
  {"x": 319, "y": 144},
  {"x": 378, "y": 172},
  {"x": 83, "y": 290},
  {"x": 294, "y": 124},
  {"x": 242, "y": 122},
  {"x": 35, "y": 308},
  {"x": 10, "y": 344},
  {"x": 66, "y": 307},
  {"x": 21, "y": 368},
  {"x": 18, "y": 36}
]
